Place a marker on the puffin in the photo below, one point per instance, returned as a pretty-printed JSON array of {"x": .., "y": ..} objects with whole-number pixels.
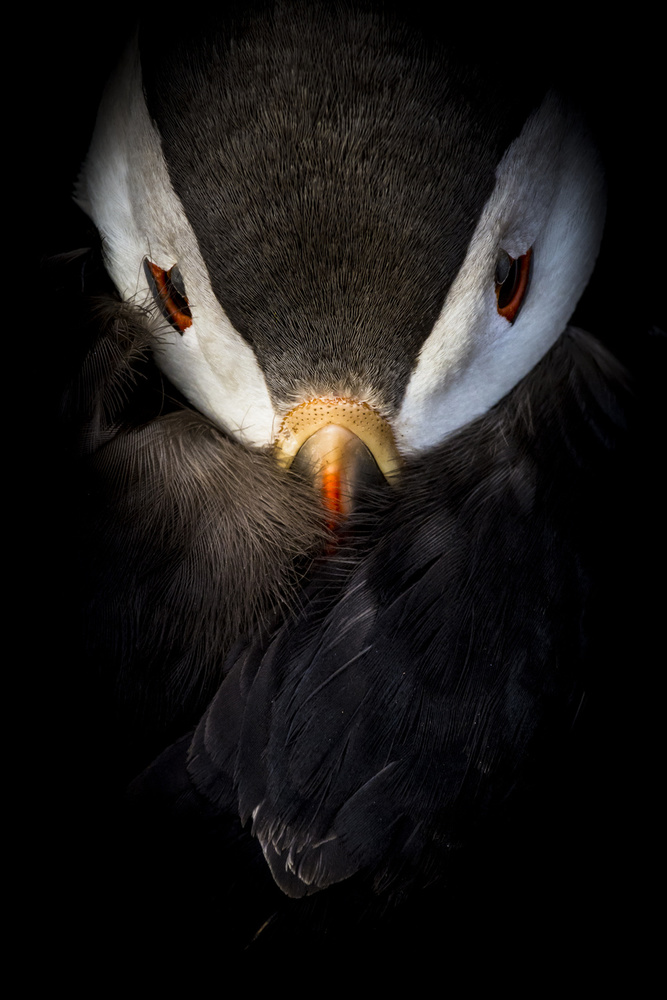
[{"x": 344, "y": 473}]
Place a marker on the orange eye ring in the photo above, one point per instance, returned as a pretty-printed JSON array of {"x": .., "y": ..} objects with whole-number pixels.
[
  {"x": 169, "y": 293},
  {"x": 512, "y": 276}
]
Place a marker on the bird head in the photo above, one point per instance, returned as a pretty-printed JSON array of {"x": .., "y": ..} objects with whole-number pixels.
[{"x": 337, "y": 222}]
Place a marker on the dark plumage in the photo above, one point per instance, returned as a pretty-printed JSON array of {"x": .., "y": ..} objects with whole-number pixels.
[
  {"x": 164, "y": 485},
  {"x": 357, "y": 694},
  {"x": 305, "y": 120}
]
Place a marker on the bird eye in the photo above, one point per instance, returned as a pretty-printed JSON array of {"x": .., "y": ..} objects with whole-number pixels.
[
  {"x": 169, "y": 292},
  {"x": 511, "y": 283}
]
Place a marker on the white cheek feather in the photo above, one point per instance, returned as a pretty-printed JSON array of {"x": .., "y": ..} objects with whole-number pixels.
[
  {"x": 126, "y": 190},
  {"x": 549, "y": 195}
]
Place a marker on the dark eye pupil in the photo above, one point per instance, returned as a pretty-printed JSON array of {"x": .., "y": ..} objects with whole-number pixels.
[
  {"x": 507, "y": 272},
  {"x": 503, "y": 267},
  {"x": 177, "y": 283}
]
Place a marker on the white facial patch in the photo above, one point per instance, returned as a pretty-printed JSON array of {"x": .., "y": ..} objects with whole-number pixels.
[
  {"x": 549, "y": 195},
  {"x": 126, "y": 191}
]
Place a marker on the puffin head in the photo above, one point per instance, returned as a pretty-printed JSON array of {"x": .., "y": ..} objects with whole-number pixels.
[{"x": 336, "y": 221}]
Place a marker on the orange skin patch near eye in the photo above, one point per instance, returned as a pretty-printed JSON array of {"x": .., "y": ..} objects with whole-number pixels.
[
  {"x": 174, "y": 306},
  {"x": 511, "y": 297}
]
